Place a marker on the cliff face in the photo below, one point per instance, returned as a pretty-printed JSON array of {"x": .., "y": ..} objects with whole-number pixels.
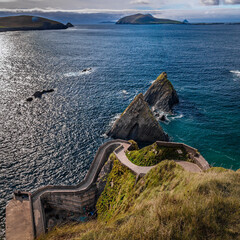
[
  {"x": 162, "y": 95},
  {"x": 138, "y": 123}
]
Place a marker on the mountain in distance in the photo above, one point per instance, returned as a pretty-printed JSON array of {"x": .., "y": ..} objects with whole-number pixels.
[
  {"x": 145, "y": 19},
  {"x": 25, "y": 23}
]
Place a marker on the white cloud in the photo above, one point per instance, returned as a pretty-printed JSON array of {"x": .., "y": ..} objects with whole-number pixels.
[
  {"x": 210, "y": 2},
  {"x": 232, "y": 1},
  {"x": 140, "y": 2}
]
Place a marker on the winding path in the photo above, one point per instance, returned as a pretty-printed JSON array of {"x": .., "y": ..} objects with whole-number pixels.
[
  {"x": 141, "y": 171},
  {"x": 119, "y": 147},
  {"x": 100, "y": 158}
]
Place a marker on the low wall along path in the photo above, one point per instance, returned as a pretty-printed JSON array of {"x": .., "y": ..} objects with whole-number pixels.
[{"x": 27, "y": 209}]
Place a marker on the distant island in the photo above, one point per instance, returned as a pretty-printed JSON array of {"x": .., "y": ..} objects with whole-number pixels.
[
  {"x": 145, "y": 19},
  {"x": 25, "y": 23}
]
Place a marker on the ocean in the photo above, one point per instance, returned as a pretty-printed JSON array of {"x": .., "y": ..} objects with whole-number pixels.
[{"x": 53, "y": 140}]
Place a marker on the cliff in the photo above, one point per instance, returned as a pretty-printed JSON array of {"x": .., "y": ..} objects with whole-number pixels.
[
  {"x": 25, "y": 23},
  {"x": 161, "y": 95},
  {"x": 138, "y": 123},
  {"x": 167, "y": 203},
  {"x": 145, "y": 19}
]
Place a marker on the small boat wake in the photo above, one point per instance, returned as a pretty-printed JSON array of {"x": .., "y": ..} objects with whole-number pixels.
[{"x": 79, "y": 73}]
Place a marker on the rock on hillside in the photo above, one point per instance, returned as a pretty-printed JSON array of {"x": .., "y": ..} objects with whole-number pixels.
[
  {"x": 161, "y": 95},
  {"x": 138, "y": 123}
]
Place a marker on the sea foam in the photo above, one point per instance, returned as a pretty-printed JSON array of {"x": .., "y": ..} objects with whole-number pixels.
[
  {"x": 235, "y": 72},
  {"x": 79, "y": 73}
]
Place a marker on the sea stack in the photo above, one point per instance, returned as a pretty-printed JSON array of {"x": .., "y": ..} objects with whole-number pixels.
[
  {"x": 138, "y": 123},
  {"x": 161, "y": 95}
]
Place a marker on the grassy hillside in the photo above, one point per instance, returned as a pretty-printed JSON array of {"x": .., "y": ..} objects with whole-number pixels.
[
  {"x": 28, "y": 23},
  {"x": 168, "y": 203},
  {"x": 154, "y": 154}
]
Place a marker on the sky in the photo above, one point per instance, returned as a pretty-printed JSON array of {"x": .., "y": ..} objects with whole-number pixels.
[{"x": 193, "y": 10}]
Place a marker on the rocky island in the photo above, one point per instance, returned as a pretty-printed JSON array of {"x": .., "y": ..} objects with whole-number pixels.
[
  {"x": 161, "y": 95},
  {"x": 26, "y": 23},
  {"x": 138, "y": 123},
  {"x": 145, "y": 19}
]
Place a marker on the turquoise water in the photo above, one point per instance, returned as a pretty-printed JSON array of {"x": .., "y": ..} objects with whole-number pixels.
[{"x": 53, "y": 140}]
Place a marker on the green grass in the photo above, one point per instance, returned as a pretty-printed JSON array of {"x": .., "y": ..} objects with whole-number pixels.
[
  {"x": 154, "y": 154},
  {"x": 168, "y": 203}
]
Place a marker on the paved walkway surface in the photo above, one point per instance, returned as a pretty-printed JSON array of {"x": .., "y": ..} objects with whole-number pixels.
[
  {"x": 188, "y": 166},
  {"x": 19, "y": 225},
  {"x": 121, "y": 155}
]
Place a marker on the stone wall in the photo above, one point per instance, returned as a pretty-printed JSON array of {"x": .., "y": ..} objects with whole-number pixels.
[{"x": 196, "y": 157}]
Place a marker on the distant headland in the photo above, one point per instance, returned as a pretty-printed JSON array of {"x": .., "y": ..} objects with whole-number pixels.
[
  {"x": 26, "y": 23},
  {"x": 148, "y": 19},
  {"x": 145, "y": 19}
]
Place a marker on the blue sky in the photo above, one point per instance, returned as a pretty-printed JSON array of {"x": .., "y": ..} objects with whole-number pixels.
[{"x": 194, "y": 10}]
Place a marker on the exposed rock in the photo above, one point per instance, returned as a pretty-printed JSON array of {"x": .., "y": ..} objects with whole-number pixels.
[
  {"x": 38, "y": 94},
  {"x": 86, "y": 70},
  {"x": 69, "y": 25},
  {"x": 163, "y": 118},
  {"x": 138, "y": 123},
  {"x": 161, "y": 95},
  {"x": 29, "y": 99}
]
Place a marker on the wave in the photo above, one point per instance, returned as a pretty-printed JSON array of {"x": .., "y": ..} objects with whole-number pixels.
[
  {"x": 85, "y": 71},
  {"x": 177, "y": 117},
  {"x": 235, "y": 72},
  {"x": 125, "y": 92},
  {"x": 152, "y": 81},
  {"x": 112, "y": 121}
]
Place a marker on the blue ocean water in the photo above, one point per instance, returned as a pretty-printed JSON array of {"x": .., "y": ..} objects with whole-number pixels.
[{"x": 53, "y": 140}]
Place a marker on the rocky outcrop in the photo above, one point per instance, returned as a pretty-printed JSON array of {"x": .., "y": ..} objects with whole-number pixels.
[
  {"x": 138, "y": 123},
  {"x": 162, "y": 95},
  {"x": 69, "y": 25},
  {"x": 38, "y": 94}
]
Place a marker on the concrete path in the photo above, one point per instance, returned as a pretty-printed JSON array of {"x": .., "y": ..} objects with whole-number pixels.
[
  {"x": 19, "y": 222},
  {"x": 121, "y": 156},
  {"x": 188, "y": 166},
  {"x": 120, "y": 153}
]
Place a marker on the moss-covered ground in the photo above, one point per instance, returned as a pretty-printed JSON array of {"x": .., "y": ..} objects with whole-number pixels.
[
  {"x": 168, "y": 203},
  {"x": 154, "y": 154}
]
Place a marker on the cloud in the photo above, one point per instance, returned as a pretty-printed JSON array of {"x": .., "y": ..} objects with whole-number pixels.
[
  {"x": 210, "y": 2},
  {"x": 218, "y": 2},
  {"x": 232, "y": 1},
  {"x": 140, "y": 2}
]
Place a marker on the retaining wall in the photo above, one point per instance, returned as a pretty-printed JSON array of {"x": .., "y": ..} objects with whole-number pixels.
[{"x": 196, "y": 157}]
